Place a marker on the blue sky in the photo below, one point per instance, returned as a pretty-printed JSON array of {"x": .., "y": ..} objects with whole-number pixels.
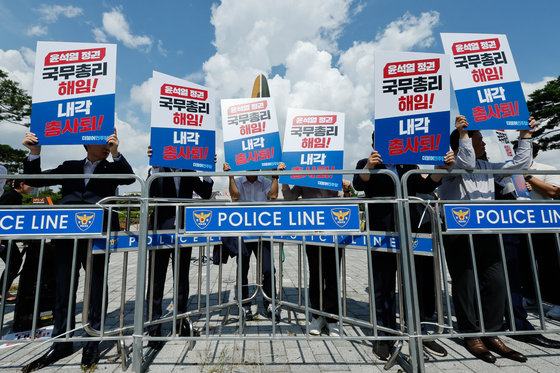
[{"x": 316, "y": 53}]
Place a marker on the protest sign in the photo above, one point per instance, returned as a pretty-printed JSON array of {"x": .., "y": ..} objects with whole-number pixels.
[
  {"x": 485, "y": 81},
  {"x": 313, "y": 140},
  {"x": 507, "y": 152},
  {"x": 74, "y": 93},
  {"x": 251, "y": 139},
  {"x": 411, "y": 107},
  {"x": 183, "y": 133}
]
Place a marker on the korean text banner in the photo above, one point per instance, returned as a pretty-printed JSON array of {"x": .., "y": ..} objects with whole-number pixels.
[
  {"x": 485, "y": 80},
  {"x": 74, "y": 93},
  {"x": 251, "y": 139},
  {"x": 313, "y": 140},
  {"x": 514, "y": 216},
  {"x": 274, "y": 218},
  {"x": 50, "y": 222},
  {"x": 412, "y": 107},
  {"x": 183, "y": 132}
]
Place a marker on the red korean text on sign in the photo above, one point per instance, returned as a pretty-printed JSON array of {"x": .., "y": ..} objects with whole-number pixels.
[
  {"x": 503, "y": 110},
  {"x": 414, "y": 144},
  {"x": 75, "y": 56},
  {"x": 254, "y": 156},
  {"x": 72, "y": 87},
  {"x": 314, "y": 168},
  {"x": 186, "y": 92},
  {"x": 245, "y": 108},
  {"x": 408, "y": 68},
  {"x": 186, "y": 152},
  {"x": 475, "y": 46},
  {"x": 76, "y": 125}
]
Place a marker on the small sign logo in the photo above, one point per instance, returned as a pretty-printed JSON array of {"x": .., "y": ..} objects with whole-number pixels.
[
  {"x": 84, "y": 220},
  {"x": 461, "y": 215},
  {"x": 341, "y": 216},
  {"x": 202, "y": 218}
]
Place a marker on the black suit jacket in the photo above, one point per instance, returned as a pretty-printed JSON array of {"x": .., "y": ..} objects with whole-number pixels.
[
  {"x": 165, "y": 187},
  {"x": 381, "y": 216},
  {"x": 75, "y": 191}
]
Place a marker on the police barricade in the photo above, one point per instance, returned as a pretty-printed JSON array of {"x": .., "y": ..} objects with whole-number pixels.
[
  {"x": 304, "y": 223},
  {"x": 72, "y": 229},
  {"x": 467, "y": 219}
]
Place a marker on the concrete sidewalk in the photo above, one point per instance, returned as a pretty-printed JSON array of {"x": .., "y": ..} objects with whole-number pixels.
[{"x": 288, "y": 355}]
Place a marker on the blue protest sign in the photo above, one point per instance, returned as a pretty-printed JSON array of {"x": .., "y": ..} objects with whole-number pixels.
[
  {"x": 507, "y": 216},
  {"x": 51, "y": 222}
]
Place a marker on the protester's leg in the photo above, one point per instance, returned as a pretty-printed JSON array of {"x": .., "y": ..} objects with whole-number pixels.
[
  {"x": 183, "y": 280},
  {"x": 425, "y": 286},
  {"x": 330, "y": 287},
  {"x": 245, "y": 260},
  {"x": 546, "y": 254},
  {"x": 269, "y": 286},
  {"x": 512, "y": 244},
  {"x": 384, "y": 272},
  {"x": 314, "y": 283},
  {"x": 160, "y": 258},
  {"x": 491, "y": 279},
  {"x": 459, "y": 263},
  {"x": 16, "y": 259}
]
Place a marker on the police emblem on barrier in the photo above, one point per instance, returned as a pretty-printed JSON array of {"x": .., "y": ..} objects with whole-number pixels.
[
  {"x": 340, "y": 216},
  {"x": 202, "y": 218},
  {"x": 84, "y": 220},
  {"x": 461, "y": 215}
]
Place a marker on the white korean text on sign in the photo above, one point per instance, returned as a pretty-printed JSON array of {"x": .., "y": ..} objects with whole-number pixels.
[
  {"x": 183, "y": 132},
  {"x": 251, "y": 139},
  {"x": 74, "y": 93},
  {"x": 313, "y": 140},
  {"x": 485, "y": 80},
  {"x": 411, "y": 107}
]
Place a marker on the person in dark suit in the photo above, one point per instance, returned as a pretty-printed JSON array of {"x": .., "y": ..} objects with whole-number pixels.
[
  {"x": 382, "y": 218},
  {"x": 164, "y": 218},
  {"x": 77, "y": 191}
]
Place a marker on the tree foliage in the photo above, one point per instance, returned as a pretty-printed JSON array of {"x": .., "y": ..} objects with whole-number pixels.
[
  {"x": 15, "y": 103},
  {"x": 544, "y": 105},
  {"x": 12, "y": 158}
]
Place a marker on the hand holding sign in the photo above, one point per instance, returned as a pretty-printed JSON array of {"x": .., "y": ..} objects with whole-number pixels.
[
  {"x": 113, "y": 143},
  {"x": 29, "y": 141},
  {"x": 527, "y": 134}
]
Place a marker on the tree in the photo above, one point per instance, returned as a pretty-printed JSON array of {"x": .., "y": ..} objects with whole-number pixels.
[
  {"x": 544, "y": 105},
  {"x": 15, "y": 103},
  {"x": 12, "y": 158}
]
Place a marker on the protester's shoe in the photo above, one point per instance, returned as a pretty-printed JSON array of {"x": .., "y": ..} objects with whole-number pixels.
[
  {"x": 268, "y": 314},
  {"x": 90, "y": 356},
  {"x": 554, "y": 313},
  {"x": 434, "y": 348},
  {"x": 247, "y": 313},
  {"x": 334, "y": 331},
  {"x": 156, "y": 345},
  {"x": 479, "y": 350},
  {"x": 537, "y": 339},
  {"x": 529, "y": 304},
  {"x": 51, "y": 356},
  {"x": 496, "y": 345},
  {"x": 383, "y": 349},
  {"x": 184, "y": 329},
  {"x": 317, "y": 324}
]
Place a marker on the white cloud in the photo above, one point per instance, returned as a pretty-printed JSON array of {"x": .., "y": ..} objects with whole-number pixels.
[
  {"x": 37, "y": 30},
  {"x": 51, "y": 13},
  {"x": 115, "y": 25},
  {"x": 99, "y": 35},
  {"x": 302, "y": 37},
  {"x": 142, "y": 95},
  {"x": 19, "y": 66},
  {"x": 529, "y": 88},
  {"x": 161, "y": 49}
]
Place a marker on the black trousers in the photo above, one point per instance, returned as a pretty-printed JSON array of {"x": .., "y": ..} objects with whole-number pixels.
[
  {"x": 491, "y": 278},
  {"x": 548, "y": 266},
  {"x": 268, "y": 272},
  {"x": 64, "y": 251},
  {"x": 161, "y": 261},
  {"x": 384, "y": 283},
  {"x": 327, "y": 283},
  {"x": 16, "y": 258}
]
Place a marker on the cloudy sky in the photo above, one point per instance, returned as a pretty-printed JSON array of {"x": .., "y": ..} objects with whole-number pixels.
[{"x": 317, "y": 54}]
